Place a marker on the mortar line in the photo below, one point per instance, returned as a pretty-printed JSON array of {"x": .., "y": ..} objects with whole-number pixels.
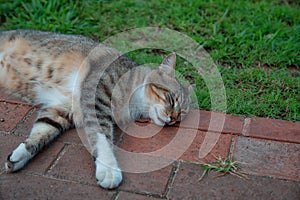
[
  {"x": 115, "y": 195},
  {"x": 246, "y": 126},
  {"x": 24, "y": 119},
  {"x": 232, "y": 146},
  {"x": 171, "y": 180},
  {"x": 148, "y": 194},
  {"x": 57, "y": 159}
]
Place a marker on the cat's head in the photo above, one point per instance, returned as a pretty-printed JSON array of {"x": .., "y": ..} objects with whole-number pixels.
[{"x": 169, "y": 100}]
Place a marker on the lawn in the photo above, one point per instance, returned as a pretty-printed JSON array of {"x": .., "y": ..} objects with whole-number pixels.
[{"x": 255, "y": 44}]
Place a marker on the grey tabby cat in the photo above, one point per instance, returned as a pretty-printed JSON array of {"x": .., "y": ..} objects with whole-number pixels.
[{"x": 78, "y": 81}]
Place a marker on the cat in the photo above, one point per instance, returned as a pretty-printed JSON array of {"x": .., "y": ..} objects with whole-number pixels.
[{"x": 60, "y": 73}]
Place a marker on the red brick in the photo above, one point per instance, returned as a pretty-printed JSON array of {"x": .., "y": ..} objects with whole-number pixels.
[
  {"x": 174, "y": 143},
  {"x": 188, "y": 186},
  {"x": 233, "y": 124},
  {"x": 131, "y": 196},
  {"x": 157, "y": 151},
  {"x": 268, "y": 158},
  {"x": 4, "y": 96},
  {"x": 21, "y": 186},
  {"x": 212, "y": 145},
  {"x": 70, "y": 137},
  {"x": 42, "y": 161},
  {"x": 24, "y": 128},
  {"x": 148, "y": 183},
  {"x": 11, "y": 114},
  {"x": 274, "y": 129},
  {"x": 213, "y": 121},
  {"x": 76, "y": 164},
  {"x": 141, "y": 144},
  {"x": 195, "y": 120}
]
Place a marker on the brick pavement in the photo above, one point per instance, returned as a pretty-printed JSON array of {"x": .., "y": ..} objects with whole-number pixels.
[{"x": 269, "y": 152}]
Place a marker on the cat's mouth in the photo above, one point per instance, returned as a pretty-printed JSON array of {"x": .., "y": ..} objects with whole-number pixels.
[
  {"x": 167, "y": 122},
  {"x": 171, "y": 123},
  {"x": 162, "y": 122},
  {"x": 159, "y": 118}
]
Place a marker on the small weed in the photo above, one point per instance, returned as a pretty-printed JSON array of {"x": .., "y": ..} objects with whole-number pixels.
[{"x": 225, "y": 166}]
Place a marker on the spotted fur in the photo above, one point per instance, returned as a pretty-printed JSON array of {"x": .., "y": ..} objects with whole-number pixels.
[{"x": 78, "y": 81}]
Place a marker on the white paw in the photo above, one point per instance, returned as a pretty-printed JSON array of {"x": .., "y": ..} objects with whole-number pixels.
[
  {"x": 18, "y": 158},
  {"x": 108, "y": 177}
]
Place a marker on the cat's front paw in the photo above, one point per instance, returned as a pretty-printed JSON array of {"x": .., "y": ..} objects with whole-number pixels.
[
  {"x": 108, "y": 177},
  {"x": 17, "y": 159}
]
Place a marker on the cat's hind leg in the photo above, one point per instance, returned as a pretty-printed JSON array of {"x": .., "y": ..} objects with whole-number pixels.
[{"x": 51, "y": 122}]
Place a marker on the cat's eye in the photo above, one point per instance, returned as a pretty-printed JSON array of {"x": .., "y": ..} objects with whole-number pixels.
[{"x": 170, "y": 99}]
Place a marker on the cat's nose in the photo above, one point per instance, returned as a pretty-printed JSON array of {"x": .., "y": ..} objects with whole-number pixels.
[{"x": 171, "y": 120}]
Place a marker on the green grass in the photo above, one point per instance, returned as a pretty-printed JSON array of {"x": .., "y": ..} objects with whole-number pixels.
[{"x": 254, "y": 43}]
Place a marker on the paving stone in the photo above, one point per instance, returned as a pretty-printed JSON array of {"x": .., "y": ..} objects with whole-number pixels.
[
  {"x": 188, "y": 186},
  {"x": 70, "y": 137},
  {"x": 25, "y": 128},
  {"x": 42, "y": 161},
  {"x": 274, "y": 129},
  {"x": 155, "y": 140},
  {"x": 190, "y": 141},
  {"x": 207, "y": 147},
  {"x": 195, "y": 119},
  {"x": 132, "y": 196},
  {"x": 268, "y": 158},
  {"x": 76, "y": 164},
  {"x": 149, "y": 183},
  {"x": 213, "y": 121},
  {"x": 26, "y": 187},
  {"x": 160, "y": 149},
  {"x": 233, "y": 124},
  {"x": 11, "y": 114},
  {"x": 7, "y": 144},
  {"x": 9, "y": 97}
]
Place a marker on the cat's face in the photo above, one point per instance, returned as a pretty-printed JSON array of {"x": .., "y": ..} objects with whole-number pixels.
[
  {"x": 169, "y": 107},
  {"x": 170, "y": 100}
]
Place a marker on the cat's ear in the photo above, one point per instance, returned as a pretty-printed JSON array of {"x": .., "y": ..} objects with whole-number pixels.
[
  {"x": 158, "y": 90},
  {"x": 190, "y": 92},
  {"x": 170, "y": 60},
  {"x": 191, "y": 88},
  {"x": 169, "y": 63}
]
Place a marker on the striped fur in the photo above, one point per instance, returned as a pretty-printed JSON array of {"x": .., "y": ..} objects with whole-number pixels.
[{"x": 78, "y": 81}]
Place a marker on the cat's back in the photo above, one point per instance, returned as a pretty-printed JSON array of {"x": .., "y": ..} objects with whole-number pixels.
[
  {"x": 33, "y": 61},
  {"x": 42, "y": 41}
]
